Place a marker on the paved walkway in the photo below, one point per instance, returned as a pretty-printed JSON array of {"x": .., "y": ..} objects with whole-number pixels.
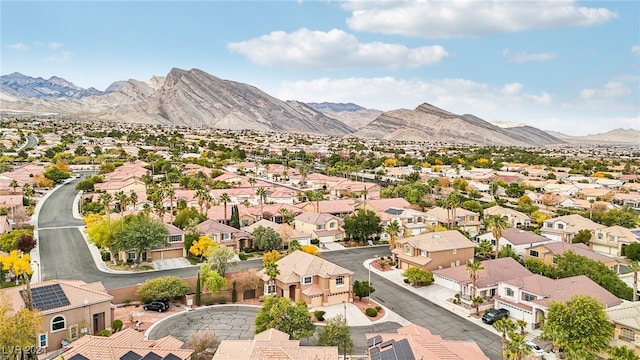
[{"x": 333, "y": 246}]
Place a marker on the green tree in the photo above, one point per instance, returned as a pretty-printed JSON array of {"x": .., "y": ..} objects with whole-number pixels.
[
  {"x": 293, "y": 246},
  {"x": 484, "y": 248},
  {"x": 583, "y": 236},
  {"x": 212, "y": 280},
  {"x": 56, "y": 175},
  {"x": 262, "y": 197},
  {"x": 336, "y": 332},
  {"x": 271, "y": 270},
  {"x": 474, "y": 267},
  {"x": 279, "y": 313},
  {"x": 362, "y": 224},
  {"x": 417, "y": 276},
  {"x": 14, "y": 185},
  {"x": 362, "y": 289},
  {"x": 224, "y": 198},
  {"x": 139, "y": 232},
  {"x": 222, "y": 259},
  {"x": 622, "y": 353},
  {"x": 508, "y": 251},
  {"x": 517, "y": 346},
  {"x": 162, "y": 288},
  {"x": 497, "y": 224},
  {"x": 580, "y": 327},
  {"x": 187, "y": 215},
  {"x": 477, "y": 301},
  {"x": 504, "y": 326},
  {"x": 198, "y": 291},
  {"x": 266, "y": 238},
  {"x": 392, "y": 230},
  {"x": 625, "y": 217},
  {"x": 235, "y": 217}
]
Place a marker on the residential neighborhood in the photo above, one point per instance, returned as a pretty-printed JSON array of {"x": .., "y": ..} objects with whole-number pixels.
[{"x": 248, "y": 218}]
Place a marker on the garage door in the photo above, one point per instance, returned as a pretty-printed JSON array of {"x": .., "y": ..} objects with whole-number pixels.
[{"x": 167, "y": 254}]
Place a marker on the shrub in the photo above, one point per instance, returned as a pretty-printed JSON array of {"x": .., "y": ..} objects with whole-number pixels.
[
  {"x": 242, "y": 256},
  {"x": 106, "y": 256},
  {"x": 117, "y": 325},
  {"x": 222, "y": 300},
  {"x": 371, "y": 312},
  {"x": 248, "y": 250},
  {"x": 315, "y": 241},
  {"x": 319, "y": 314},
  {"x": 127, "y": 301},
  {"x": 378, "y": 307},
  {"x": 105, "y": 333}
]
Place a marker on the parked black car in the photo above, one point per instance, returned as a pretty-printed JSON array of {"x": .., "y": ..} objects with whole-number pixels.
[
  {"x": 158, "y": 306},
  {"x": 494, "y": 315}
]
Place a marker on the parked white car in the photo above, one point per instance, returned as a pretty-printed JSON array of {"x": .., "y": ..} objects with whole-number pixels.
[{"x": 535, "y": 349}]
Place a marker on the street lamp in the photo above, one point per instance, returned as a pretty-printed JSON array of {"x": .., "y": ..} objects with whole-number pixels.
[{"x": 38, "y": 270}]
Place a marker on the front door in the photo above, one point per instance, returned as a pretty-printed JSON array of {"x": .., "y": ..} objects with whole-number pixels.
[
  {"x": 98, "y": 323},
  {"x": 292, "y": 292}
]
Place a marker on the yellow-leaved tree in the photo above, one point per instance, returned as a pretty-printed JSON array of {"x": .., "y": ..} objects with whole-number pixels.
[
  {"x": 19, "y": 329},
  {"x": 203, "y": 246},
  {"x": 18, "y": 263},
  {"x": 100, "y": 232},
  {"x": 271, "y": 256},
  {"x": 311, "y": 249}
]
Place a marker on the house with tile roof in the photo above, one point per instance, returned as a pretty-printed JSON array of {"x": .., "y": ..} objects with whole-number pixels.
[
  {"x": 287, "y": 232},
  {"x": 626, "y": 321},
  {"x": 273, "y": 344},
  {"x": 412, "y": 222},
  {"x": 496, "y": 270},
  {"x": 339, "y": 207},
  {"x": 377, "y": 205},
  {"x": 126, "y": 344},
  {"x": 609, "y": 240},
  {"x": 513, "y": 217},
  {"x": 517, "y": 239},
  {"x": 529, "y": 297},
  {"x": 69, "y": 308},
  {"x": 435, "y": 250},
  {"x": 464, "y": 219},
  {"x": 564, "y": 228},
  {"x": 226, "y": 235},
  {"x": 308, "y": 278},
  {"x": 321, "y": 226},
  {"x": 548, "y": 252},
  {"x": 421, "y": 344}
]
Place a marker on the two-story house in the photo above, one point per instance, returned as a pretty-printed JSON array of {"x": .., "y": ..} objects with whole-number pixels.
[
  {"x": 286, "y": 232},
  {"x": 308, "y": 278},
  {"x": 564, "y": 228},
  {"x": 69, "y": 308},
  {"x": 324, "y": 227},
  {"x": 175, "y": 245},
  {"x": 226, "y": 235},
  {"x": 517, "y": 239},
  {"x": 529, "y": 297},
  {"x": 513, "y": 217},
  {"x": 626, "y": 321},
  {"x": 609, "y": 240},
  {"x": 464, "y": 219},
  {"x": 434, "y": 250},
  {"x": 548, "y": 253},
  {"x": 412, "y": 222}
]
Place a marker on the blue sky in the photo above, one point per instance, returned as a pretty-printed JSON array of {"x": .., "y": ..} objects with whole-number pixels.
[{"x": 559, "y": 65}]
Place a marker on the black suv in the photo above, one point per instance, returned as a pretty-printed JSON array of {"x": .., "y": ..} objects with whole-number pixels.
[
  {"x": 158, "y": 305},
  {"x": 494, "y": 315}
]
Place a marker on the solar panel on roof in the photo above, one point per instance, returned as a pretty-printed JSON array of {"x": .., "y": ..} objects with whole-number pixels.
[
  {"x": 48, "y": 297},
  {"x": 78, "y": 357},
  {"x": 387, "y": 343},
  {"x": 171, "y": 357},
  {"x": 152, "y": 356},
  {"x": 404, "y": 346},
  {"x": 374, "y": 341},
  {"x": 130, "y": 356},
  {"x": 374, "y": 354},
  {"x": 393, "y": 211}
]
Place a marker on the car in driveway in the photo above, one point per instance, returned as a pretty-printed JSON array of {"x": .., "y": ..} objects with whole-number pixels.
[
  {"x": 494, "y": 315},
  {"x": 158, "y": 306},
  {"x": 536, "y": 350}
]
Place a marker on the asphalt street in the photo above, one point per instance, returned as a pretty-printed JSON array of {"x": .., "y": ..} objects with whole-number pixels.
[{"x": 65, "y": 255}]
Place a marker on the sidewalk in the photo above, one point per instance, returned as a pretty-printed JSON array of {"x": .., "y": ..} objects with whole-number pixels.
[{"x": 440, "y": 296}]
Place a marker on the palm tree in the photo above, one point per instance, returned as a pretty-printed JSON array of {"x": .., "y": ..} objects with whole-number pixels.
[
  {"x": 497, "y": 224},
  {"x": 262, "y": 196},
  {"x": 517, "y": 347},
  {"x": 484, "y": 248},
  {"x": 252, "y": 182},
  {"x": 504, "y": 326},
  {"x": 28, "y": 191},
  {"x": 392, "y": 230},
  {"x": 170, "y": 193},
  {"x": 122, "y": 200},
  {"x": 522, "y": 323},
  {"x": 14, "y": 184},
  {"x": 477, "y": 301},
  {"x": 224, "y": 198},
  {"x": 201, "y": 194},
  {"x": 635, "y": 268},
  {"x": 272, "y": 271},
  {"x": 133, "y": 198},
  {"x": 286, "y": 215},
  {"x": 473, "y": 268},
  {"x": 105, "y": 200},
  {"x": 451, "y": 203},
  {"x": 364, "y": 193}
]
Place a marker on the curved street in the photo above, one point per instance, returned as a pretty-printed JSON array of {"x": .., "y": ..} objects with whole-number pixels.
[{"x": 64, "y": 254}]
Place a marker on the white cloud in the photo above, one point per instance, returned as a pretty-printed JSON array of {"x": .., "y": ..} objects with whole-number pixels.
[
  {"x": 465, "y": 18},
  {"x": 635, "y": 49},
  {"x": 524, "y": 57},
  {"x": 54, "y": 45},
  {"x": 611, "y": 89},
  {"x": 512, "y": 88},
  {"x": 332, "y": 50},
  {"x": 18, "y": 46},
  {"x": 60, "y": 57}
]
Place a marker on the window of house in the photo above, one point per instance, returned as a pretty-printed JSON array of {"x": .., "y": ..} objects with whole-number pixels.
[
  {"x": 131, "y": 255},
  {"x": 561, "y": 226},
  {"x": 423, "y": 253},
  {"x": 627, "y": 335},
  {"x": 548, "y": 225},
  {"x": 340, "y": 280},
  {"x": 320, "y": 227},
  {"x": 175, "y": 238},
  {"x": 508, "y": 245},
  {"x": 73, "y": 332},
  {"x": 409, "y": 221},
  {"x": 419, "y": 220},
  {"x": 600, "y": 236},
  {"x": 407, "y": 250},
  {"x": 555, "y": 260},
  {"x": 269, "y": 288},
  {"x": 528, "y": 297},
  {"x": 58, "y": 323},
  {"x": 332, "y": 225},
  {"x": 455, "y": 251},
  {"x": 533, "y": 253},
  {"x": 226, "y": 236},
  {"x": 245, "y": 222},
  {"x": 42, "y": 340},
  {"x": 509, "y": 292},
  {"x": 305, "y": 280}
]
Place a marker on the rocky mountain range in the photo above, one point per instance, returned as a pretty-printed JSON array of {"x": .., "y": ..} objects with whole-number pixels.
[{"x": 194, "y": 98}]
